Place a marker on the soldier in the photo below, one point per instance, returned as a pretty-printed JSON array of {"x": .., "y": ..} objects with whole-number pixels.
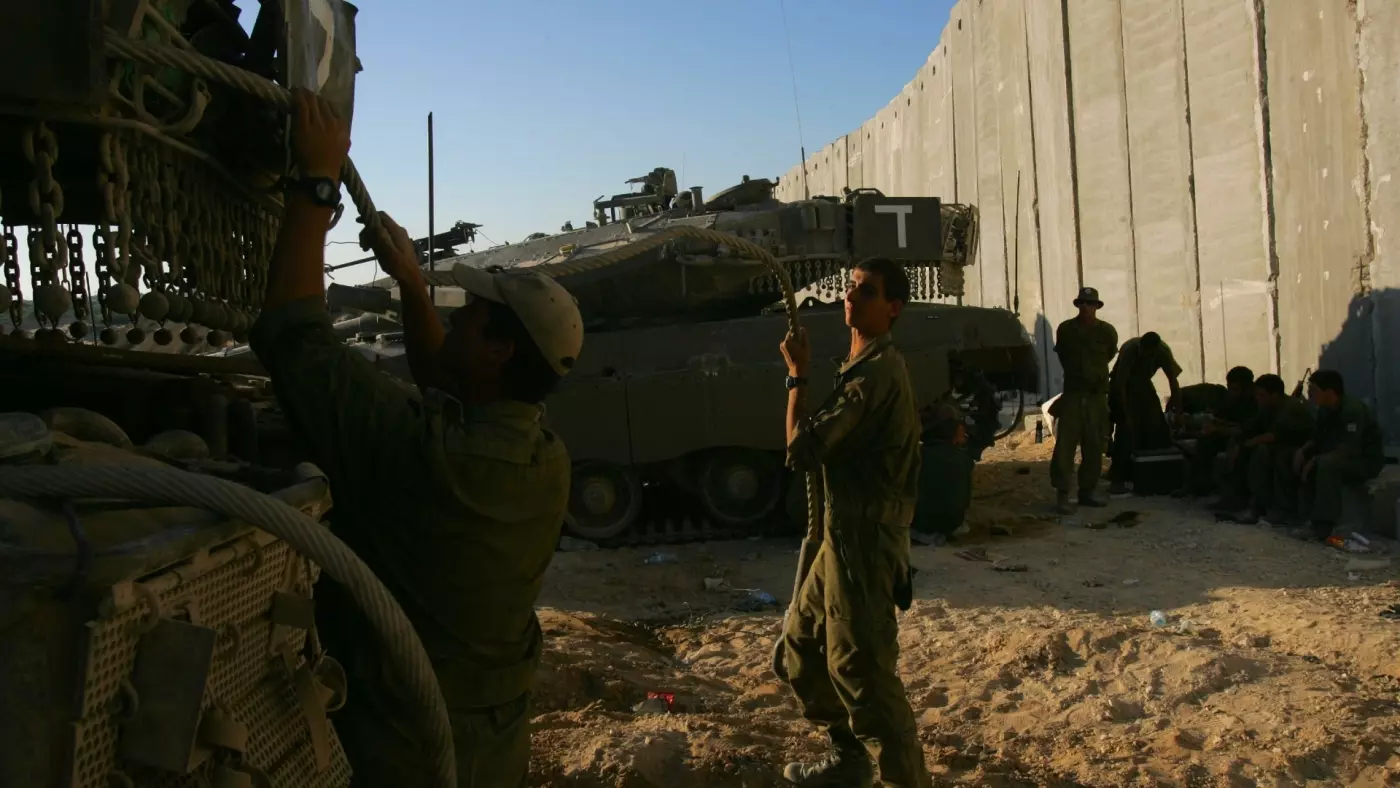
[
  {"x": 945, "y": 474},
  {"x": 1347, "y": 450},
  {"x": 454, "y": 500},
  {"x": 1227, "y": 418},
  {"x": 971, "y": 387},
  {"x": 1135, "y": 408},
  {"x": 1258, "y": 466},
  {"x": 1085, "y": 345},
  {"x": 840, "y": 642}
]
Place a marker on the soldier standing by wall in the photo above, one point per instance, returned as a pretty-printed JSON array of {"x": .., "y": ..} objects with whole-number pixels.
[
  {"x": 455, "y": 501},
  {"x": 840, "y": 641},
  {"x": 1085, "y": 345}
]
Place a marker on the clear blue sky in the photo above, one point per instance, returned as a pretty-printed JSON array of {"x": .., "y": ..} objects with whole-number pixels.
[{"x": 539, "y": 106}]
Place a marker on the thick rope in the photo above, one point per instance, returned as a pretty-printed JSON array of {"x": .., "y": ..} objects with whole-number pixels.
[{"x": 168, "y": 486}]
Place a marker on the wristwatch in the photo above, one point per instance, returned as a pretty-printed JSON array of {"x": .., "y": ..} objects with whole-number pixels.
[
  {"x": 324, "y": 192},
  {"x": 792, "y": 382}
]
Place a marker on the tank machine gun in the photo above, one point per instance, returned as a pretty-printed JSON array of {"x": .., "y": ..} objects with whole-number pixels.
[
  {"x": 679, "y": 322},
  {"x": 158, "y": 541}
]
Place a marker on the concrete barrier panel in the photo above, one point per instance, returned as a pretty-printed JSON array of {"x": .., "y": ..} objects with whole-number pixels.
[
  {"x": 1233, "y": 223},
  {"x": 1018, "y": 184},
  {"x": 855, "y": 156},
  {"x": 1316, "y": 145},
  {"x": 839, "y": 175},
  {"x": 936, "y": 122},
  {"x": 1159, "y": 147},
  {"x": 996, "y": 285},
  {"x": 1101, "y": 152},
  {"x": 962, "y": 65},
  {"x": 1054, "y": 175},
  {"x": 1379, "y": 51}
]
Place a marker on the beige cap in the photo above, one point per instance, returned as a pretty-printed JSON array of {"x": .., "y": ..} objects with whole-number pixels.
[{"x": 548, "y": 312}]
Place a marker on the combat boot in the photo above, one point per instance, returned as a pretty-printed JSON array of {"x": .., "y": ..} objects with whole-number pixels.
[
  {"x": 1086, "y": 498},
  {"x": 843, "y": 768},
  {"x": 1062, "y": 504}
]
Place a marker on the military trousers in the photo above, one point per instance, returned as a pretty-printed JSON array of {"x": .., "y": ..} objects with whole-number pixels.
[
  {"x": 1204, "y": 464},
  {"x": 384, "y": 748},
  {"x": 945, "y": 489},
  {"x": 841, "y": 648},
  {"x": 1081, "y": 424},
  {"x": 1323, "y": 487},
  {"x": 1270, "y": 480},
  {"x": 1138, "y": 426}
]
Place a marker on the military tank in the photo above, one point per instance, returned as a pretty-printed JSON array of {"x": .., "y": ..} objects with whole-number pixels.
[
  {"x": 674, "y": 413},
  {"x": 159, "y": 539}
]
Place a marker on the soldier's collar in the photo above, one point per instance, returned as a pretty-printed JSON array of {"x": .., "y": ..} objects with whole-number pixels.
[
  {"x": 507, "y": 409},
  {"x": 871, "y": 348}
]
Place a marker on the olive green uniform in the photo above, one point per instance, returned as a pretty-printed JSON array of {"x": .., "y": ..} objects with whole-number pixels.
[
  {"x": 1347, "y": 450},
  {"x": 1264, "y": 474},
  {"x": 841, "y": 642},
  {"x": 1081, "y": 412},
  {"x": 1227, "y": 412},
  {"x": 979, "y": 392},
  {"x": 945, "y": 476},
  {"x": 457, "y": 510},
  {"x": 1135, "y": 408}
]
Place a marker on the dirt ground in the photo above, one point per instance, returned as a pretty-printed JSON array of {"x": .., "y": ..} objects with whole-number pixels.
[{"x": 1276, "y": 667}]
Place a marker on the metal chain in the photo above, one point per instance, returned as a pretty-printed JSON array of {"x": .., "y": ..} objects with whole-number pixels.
[
  {"x": 12, "y": 273},
  {"x": 77, "y": 281},
  {"x": 48, "y": 251}
]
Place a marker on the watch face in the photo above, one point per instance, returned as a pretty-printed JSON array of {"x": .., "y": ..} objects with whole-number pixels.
[{"x": 325, "y": 191}]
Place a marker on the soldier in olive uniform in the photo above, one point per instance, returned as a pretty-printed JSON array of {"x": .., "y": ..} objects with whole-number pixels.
[
  {"x": 1347, "y": 450},
  {"x": 454, "y": 500},
  {"x": 945, "y": 473},
  {"x": 971, "y": 388},
  {"x": 1135, "y": 408},
  {"x": 840, "y": 641},
  {"x": 1085, "y": 345},
  {"x": 1227, "y": 418},
  {"x": 1258, "y": 480}
]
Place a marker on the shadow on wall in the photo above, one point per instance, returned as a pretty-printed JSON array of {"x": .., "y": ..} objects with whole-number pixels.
[
  {"x": 1052, "y": 375},
  {"x": 1361, "y": 352}
]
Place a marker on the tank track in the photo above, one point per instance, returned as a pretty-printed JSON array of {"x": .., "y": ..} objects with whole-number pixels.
[{"x": 689, "y": 529}]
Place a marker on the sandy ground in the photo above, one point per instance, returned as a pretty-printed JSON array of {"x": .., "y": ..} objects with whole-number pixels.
[{"x": 1276, "y": 669}]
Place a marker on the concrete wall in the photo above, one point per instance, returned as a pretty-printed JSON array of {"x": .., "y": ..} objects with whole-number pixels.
[{"x": 1223, "y": 171}]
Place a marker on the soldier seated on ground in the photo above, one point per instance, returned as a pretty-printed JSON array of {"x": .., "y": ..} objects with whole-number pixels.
[
  {"x": 1220, "y": 425},
  {"x": 973, "y": 391},
  {"x": 945, "y": 474},
  {"x": 1346, "y": 451},
  {"x": 1257, "y": 478}
]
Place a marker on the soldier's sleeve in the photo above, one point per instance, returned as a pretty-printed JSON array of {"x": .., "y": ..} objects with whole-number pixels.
[
  {"x": 823, "y": 431},
  {"x": 1167, "y": 361},
  {"x": 360, "y": 425},
  {"x": 1060, "y": 337}
]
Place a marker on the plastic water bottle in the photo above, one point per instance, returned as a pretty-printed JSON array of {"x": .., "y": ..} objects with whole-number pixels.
[{"x": 1158, "y": 618}]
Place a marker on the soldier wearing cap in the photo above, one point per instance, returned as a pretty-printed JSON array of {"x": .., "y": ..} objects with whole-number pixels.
[
  {"x": 1085, "y": 345},
  {"x": 454, "y": 500}
]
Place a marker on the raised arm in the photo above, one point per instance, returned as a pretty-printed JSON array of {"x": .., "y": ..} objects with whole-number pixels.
[{"x": 422, "y": 328}]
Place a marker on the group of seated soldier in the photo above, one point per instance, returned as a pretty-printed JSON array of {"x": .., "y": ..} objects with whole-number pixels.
[{"x": 1271, "y": 457}]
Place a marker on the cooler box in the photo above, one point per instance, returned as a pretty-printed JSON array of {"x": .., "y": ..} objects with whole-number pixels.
[{"x": 1158, "y": 471}]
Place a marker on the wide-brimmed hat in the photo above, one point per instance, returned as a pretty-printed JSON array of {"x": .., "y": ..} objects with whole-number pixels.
[
  {"x": 1088, "y": 295},
  {"x": 548, "y": 312}
]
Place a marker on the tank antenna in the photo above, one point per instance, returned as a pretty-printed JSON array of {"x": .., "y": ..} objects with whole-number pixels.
[
  {"x": 792, "y": 71},
  {"x": 432, "y": 266}
]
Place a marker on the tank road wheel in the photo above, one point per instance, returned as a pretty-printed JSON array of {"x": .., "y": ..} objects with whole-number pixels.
[
  {"x": 604, "y": 500},
  {"x": 739, "y": 486}
]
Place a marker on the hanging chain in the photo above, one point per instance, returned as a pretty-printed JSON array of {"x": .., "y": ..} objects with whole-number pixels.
[
  {"x": 12, "y": 272},
  {"x": 77, "y": 281},
  {"x": 48, "y": 252}
]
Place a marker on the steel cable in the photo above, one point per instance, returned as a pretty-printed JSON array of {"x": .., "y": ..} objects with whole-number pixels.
[{"x": 169, "y": 486}]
